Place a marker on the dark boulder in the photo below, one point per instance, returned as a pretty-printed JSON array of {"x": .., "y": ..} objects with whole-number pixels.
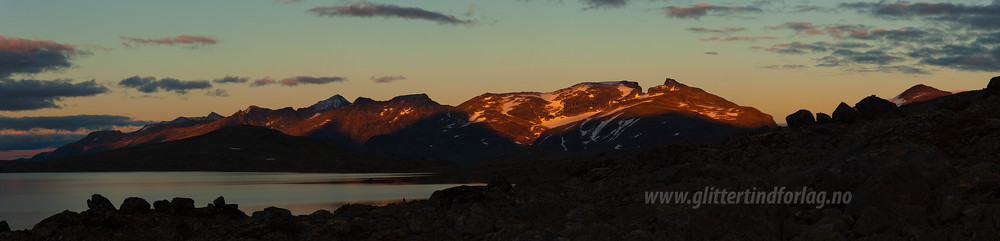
[
  {"x": 458, "y": 195},
  {"x": 4, "y": 227},
  {"x": 163, "y": 206},
  {"x": 823, "y": 118},
  {"x": 271, "y": 214},
  {"x": 53, "y": 223},
  {"x": 874, "y": 108},
  {"x": 500, "y": 184},
  {"x": 993, "y": 88},
  {"x": 495, "y": 189},
  {"x": 100, "y": 203},
  {"x": 219, "y": 202},
  {"x": 800, "y": 118},
  {"x": 134, "y": 205},
  {"x": 845, "y": 114},
  {"x": 230, "y": 211},
  {"x": 182, "y": 204}
]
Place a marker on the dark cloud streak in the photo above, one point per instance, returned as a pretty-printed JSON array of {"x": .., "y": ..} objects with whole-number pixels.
[
  {"x": 722, "y": 30},
  {"x": 69, "y": 123},
  {"x": 232, "y": 79},
  {"x": 19, "y": 95},
  {"x": 367, "y": 9},
  {"x": 294, "y": 81},
  {"x": 604, "y": 3},
  {"x": 152, "y": 85},
  {"x": 703, "y": 9}
]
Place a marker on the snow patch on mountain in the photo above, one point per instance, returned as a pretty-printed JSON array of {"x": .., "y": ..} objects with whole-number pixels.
[{"x": 563, "y": 120}]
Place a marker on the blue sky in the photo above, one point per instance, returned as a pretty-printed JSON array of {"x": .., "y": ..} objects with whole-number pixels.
[{"x": 777, "y": 56}]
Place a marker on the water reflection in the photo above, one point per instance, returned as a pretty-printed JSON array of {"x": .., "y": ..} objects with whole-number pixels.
[{"x": 27, "y": 198}]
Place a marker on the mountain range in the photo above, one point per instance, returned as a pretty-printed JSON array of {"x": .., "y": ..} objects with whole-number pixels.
[
  {"x": 585, "y": 116},
  {"x": 926, "y": 170}
]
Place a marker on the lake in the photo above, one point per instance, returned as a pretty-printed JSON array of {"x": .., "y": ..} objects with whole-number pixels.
[{"x": 27, "y": 198}]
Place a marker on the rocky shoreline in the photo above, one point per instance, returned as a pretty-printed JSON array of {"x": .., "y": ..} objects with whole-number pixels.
[{"x": 926, "y": 172}]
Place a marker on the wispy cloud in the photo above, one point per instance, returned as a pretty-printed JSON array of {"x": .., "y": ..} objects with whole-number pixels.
[
  {"x": 386, "y": 79},
  {"x": 909, "y": 35},
  {"x": 472, "y": 10},
  {"x": 842, "y": 57},
  {"x": 800, "y": 27},
  {"x": 19, "y": 95},
  {"x": 712, "y": 53},
  {"x": 957, "y": 36},
  {"x": 984, "y": 17},
  {"x": 288, "y": 1},
  {"x": 191, "y": 41},
  {"x": 902, "y": 69},
  {"x": 974, "y": 57},
  {"x": 811, "y": 8},
  {"x": 152, "y": 85},
  {"x": 786, "y": 66},
  {"x": 738, "y": 38},
  {"x": 604, "y": 3},
  {"x": 793, "y": 48},
  {"x": 32, "y": 56},
  {"x": 703, "y": 9},
  {"x": 294, "y": 81},
  {"x": 722, "y": 30},
  {"x": 367, "y": 9},
  {"x": 218, "y": 93}
]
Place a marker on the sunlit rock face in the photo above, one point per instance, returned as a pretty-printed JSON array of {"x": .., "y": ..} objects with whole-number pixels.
[{"x": 666, "y": 113}]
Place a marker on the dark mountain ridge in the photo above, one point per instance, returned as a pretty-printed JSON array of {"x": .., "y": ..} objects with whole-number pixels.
[{"x": 235, "y": 148}]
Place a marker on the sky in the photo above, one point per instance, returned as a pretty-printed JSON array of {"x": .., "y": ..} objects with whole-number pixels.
[{"x": 71, "y": 67}]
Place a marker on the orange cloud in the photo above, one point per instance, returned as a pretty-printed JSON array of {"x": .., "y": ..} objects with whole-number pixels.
[{"x": 20, "y": 45}]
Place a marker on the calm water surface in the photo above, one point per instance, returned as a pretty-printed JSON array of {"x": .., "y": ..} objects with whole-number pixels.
[{"x": 27, "y": 198}]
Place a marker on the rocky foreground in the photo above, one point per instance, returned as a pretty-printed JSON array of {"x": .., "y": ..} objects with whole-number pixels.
[{"x": 925, "y": 171}]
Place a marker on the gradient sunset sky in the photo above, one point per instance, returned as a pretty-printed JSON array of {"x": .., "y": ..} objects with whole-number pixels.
[{"x": 69, "y": 67}]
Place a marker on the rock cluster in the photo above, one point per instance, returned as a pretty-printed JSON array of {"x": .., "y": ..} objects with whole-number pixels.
[{"x": 869, "y": 108}]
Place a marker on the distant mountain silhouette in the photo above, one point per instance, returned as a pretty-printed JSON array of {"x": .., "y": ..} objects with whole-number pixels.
[
  {"x": 585, "y": 116},
  {"x": 236, "y": 148}
]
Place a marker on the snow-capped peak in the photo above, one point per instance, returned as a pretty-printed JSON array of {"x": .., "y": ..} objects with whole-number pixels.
[
  {"x": 918, "y": 93},
  {"x": 334, "y": 102}
]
